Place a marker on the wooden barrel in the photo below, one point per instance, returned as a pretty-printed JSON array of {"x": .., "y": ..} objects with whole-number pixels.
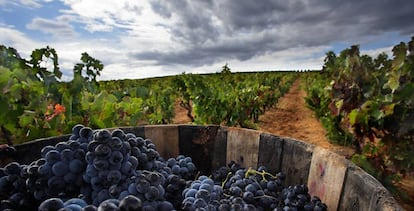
[{"x": 337, "y": 181}]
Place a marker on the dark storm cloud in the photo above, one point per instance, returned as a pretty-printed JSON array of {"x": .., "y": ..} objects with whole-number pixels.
[
  {"x": 194, "y": 20},
  {"x": 212, "y": 31},
  {"x": 207, "y": 55}
]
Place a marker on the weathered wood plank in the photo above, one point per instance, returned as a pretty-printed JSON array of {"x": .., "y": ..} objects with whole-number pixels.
[
  {"x": 270, "y": 152},
  {"x": 363, "y": 192},
  {"x": 165, "y": 138},
  {"x": 326, "y": 176},
  {"x": 243, "y": 147},
  {"x": 296, "y": 161},
  {"x": 198, "y": 142}
]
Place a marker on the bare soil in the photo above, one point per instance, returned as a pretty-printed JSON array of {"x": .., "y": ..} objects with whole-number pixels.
[
  {"x": 292, "y": 118},
  {"x": 180, "y": 115}
]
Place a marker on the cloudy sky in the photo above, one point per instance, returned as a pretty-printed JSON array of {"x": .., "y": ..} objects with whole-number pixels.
[{"x": 146, "y": 38}]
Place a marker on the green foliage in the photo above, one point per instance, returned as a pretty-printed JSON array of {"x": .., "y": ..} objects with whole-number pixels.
[
  {"x": 85, "y": 73},
  {"x": 318, "y": 99},
  {"x": 184, "y": 97},
  {"x": 372, "y": 99},
  {"x": 230, "y": 99},
  {"x": 160, "y": 104},
  {"x": 39, "y": 105},
  {"x": 27, "y": 90},
  {"x": 39, "y": 62},
  {"x": 104, "y": 110},
  {"x": 157, "y": 96},
  {"x": 36, "y": 104}
]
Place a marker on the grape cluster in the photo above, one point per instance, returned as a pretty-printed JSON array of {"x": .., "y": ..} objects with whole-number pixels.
[
  {"x": 182, "y": 166},
  {"x": 109, "y": 165},
  {"x": 13, "y": 187},
  {"x": 128, "y": 203},
  {"x": 104, "y": 170},
  {"x": 249, "y": 189},
  {"x": 202, "y": 194},
  {"x": 60, "y": 168},
  {"x": 58, "y": 173}
]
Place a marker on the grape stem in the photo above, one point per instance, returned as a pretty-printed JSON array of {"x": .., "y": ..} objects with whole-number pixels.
[
  {"x": 227, "y": 178},
  {"x": 251, "y": 172}
]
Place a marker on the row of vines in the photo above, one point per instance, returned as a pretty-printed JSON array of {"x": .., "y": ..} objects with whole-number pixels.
[
  {"x": 35, "y": 103},
  {"x": 369, "y": 103},
  {"x": 231, "y": 99}
]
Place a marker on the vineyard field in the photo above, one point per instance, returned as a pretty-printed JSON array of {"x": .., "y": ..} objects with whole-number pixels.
[
  {"x": 36, "y": 103},
  {"x": 363, "y": 103}
]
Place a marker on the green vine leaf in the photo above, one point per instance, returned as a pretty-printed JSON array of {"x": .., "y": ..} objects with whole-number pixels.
[{"x": 353, "y": 116}]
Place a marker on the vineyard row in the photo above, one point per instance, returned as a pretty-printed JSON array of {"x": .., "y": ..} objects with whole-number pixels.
[
  {"x": 368, "y": 103},
  {"x": 36, "y": 103}
]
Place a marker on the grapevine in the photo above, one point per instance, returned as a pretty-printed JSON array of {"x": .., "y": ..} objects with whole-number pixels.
[{"x": 371, "y": 99}]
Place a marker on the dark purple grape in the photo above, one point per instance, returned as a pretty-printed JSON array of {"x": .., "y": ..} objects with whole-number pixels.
[
  {"x": 190, "y": 193},
  {"x": 103, "y": 135},
  {"x": 203, "y": 194},
  {"x": 90, "y": 208},
  {"x": 114, "y": 177},
  {"x": 56, "y": 183},
  {"x": 132, "y": 141},
  {"x": 45, "y": 150},
  {"x": 115, "y": 190},
  {"x": 100, "y": 164},
  {"x": 200, "y": 203},
  {"x": 116, "y": 157},
  {"x": 66, "y": 155},
  {"x": 70, "y": 178},
  {"x": 235, "y": 191},
  {"x": 115, "y": 143},
  {"x": 134, "y": 162},
  {"x": 143, "y": 186},
  {"x": 130, "y": 135},
  {"x": 165, "y": 206},
  {"x": 61, "y": 146},
  {"x": 153, "y": 178},
  {"x": 52, "y": 156},
  {"x": 152, "y": 194},
  {"x": 44, "y": 170},
  {"x": 119, "y": 134},
  {"x": 92, "y": 145},
  {"x": 76, "y": 166},
  {"x": 126, "y": 148},
  {"x": 12, "y": 168},
  {"x": 103, "y": 150},
  {"x": 74, "y": 145},
  {"x": 248, "y": 197},
  {"x": 107, "y": 206},
  {"x": 76, "y": 129},
  {"x": 79, "y": 154},
  {"x": 126, "y": 168},
  {"x": 130, "y": 203},
  {"x": 60, "y": 168},
  {"x": 86, "y": 133},
  {"x": 51, "y": 204}
]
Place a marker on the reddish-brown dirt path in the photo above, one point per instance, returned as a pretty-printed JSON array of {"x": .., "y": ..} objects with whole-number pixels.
[
  {"x": 289, "y": 118},
  {"x": 292, "y": 118}
]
